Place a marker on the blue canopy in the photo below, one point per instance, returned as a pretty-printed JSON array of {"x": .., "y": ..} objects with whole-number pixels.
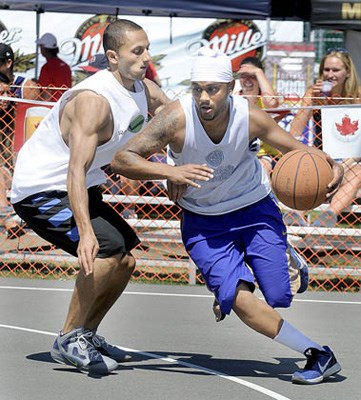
[{"x": 233, "y": 9}]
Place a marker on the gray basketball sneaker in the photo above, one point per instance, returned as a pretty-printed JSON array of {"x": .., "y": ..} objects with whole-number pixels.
[
  {"x": 75, "y": 348},
  {"x": 107, "y": 349}
]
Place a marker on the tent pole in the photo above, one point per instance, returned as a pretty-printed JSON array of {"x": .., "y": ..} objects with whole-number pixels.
[
  {"x": 170, "y": 29},
  {"x": 268, "y": 35},
  {"x": 38, "y": 12},
  {"x": 171, "y": 15}
]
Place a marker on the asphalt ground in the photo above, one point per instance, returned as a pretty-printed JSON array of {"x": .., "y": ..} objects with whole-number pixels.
[{"x": 179, "y": 351}]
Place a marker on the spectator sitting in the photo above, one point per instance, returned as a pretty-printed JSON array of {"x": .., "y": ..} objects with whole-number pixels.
[
  {"x": 256, "y": 88},
  {"x": 55, "y": 72},
  {"x": 6, "y": 123},
  {"x": 338, "y": 68},
  {"x": 12, "y": 85},
  {"x": 254, "y": 83},
  {"x": 20, "y": 86}
]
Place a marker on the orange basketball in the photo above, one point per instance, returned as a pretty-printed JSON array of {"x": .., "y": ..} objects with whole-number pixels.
[{"x": 300, "y": 179}]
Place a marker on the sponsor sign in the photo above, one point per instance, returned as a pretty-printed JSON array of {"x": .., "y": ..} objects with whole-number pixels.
[
  {"x": 28, "y": 118},
  {"x": 236, "y": 39},
  {"x": 88, "y": 38},
  {"x": 290, "y": 66},
  {"x": 336, "y": 14}
]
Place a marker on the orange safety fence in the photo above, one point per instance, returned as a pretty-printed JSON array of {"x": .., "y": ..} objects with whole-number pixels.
[{"x": 333, "y": 252}]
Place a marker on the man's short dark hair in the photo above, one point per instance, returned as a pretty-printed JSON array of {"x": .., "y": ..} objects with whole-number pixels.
[{"x": 113, "y": 37}]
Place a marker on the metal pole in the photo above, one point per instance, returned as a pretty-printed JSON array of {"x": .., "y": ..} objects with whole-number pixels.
[
  {"x": 170, "y": 29},
  {"x": 268, "y": 34},
  {"x": 38, "y": 12},
  {"x": 171, "y": 15}
]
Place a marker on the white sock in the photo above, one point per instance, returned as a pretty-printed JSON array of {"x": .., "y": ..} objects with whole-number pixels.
[{"x": 294, "y": 339}]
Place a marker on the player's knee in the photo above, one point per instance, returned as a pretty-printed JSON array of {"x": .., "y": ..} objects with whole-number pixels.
[
  {"x": 127, "y": 263},
  {"x": 244, "y": 302}
]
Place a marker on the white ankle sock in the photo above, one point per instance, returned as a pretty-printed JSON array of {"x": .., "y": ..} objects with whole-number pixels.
[{"x": 294, "y": 339}]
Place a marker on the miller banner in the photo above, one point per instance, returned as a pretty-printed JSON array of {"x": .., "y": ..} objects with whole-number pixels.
[{"x": 336, "y": 14}]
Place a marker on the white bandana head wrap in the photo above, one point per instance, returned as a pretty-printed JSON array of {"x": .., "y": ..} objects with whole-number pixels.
[{"x": 211, "y": 66}]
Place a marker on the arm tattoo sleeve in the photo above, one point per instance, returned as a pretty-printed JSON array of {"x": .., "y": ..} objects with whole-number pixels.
[{"x": 157, "y": 134}]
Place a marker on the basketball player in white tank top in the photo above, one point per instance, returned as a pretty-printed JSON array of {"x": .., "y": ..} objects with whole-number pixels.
[
  {"x": 55, "y": 188},
  {"x": 229, "y": 215}
]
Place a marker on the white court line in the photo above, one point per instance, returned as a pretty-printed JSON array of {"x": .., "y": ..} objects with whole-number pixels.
[
  {"x": 219, "y": 374},
  {"x": 174, "y": 295}
]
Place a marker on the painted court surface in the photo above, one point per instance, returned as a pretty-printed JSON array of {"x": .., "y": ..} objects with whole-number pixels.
[{"x": 179, "y": 351}]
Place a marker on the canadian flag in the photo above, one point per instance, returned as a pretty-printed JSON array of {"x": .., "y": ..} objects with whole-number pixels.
[
  {"x": 341, "y": 131},
  {"x": 347, "y": 127}
]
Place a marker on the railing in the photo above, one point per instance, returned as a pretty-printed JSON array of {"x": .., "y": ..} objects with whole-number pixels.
[{"x": 333, "y": 253}]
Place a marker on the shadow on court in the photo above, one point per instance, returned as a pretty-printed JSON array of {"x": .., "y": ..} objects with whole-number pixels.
[{"x": 239, "y": 368}]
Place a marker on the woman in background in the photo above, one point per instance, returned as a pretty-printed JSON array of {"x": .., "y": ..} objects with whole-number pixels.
[
  {"x": 256, "y": 88},
  {"x": 338, "y": 71}
]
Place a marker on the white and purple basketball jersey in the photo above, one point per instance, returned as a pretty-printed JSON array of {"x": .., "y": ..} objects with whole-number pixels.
[{"x": 239, "y": 179}]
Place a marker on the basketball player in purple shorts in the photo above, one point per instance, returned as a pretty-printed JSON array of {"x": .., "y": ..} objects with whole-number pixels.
[{"x": 230, "y": 217}]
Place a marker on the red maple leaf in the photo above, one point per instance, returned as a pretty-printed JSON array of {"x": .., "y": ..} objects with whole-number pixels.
[{"x": 347, "y": 127}]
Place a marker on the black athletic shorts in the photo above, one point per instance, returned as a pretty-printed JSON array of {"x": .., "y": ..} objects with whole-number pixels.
[{"x": 49, "y": 215}]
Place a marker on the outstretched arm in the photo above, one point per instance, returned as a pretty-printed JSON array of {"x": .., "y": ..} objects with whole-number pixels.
[
  {"x": 166, "y": 128},
  {"x": 311, "y": 97}
]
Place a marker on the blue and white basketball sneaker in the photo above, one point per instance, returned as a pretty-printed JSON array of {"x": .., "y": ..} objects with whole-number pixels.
[
  {"x": 320, "y": 365},
  {"x": 75, "y": 348}
]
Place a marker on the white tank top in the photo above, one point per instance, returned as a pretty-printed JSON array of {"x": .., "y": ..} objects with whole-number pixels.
[
  {"x": 42, "y": 163},
  {"x": 239, "y": 179}
]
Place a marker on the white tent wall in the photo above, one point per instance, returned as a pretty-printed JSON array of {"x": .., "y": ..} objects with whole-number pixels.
[{"x": 20, "y": 33}]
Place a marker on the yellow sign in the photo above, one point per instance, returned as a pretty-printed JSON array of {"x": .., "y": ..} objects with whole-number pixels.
[
  {"x": 33, "y": 117},
  {"x": 351, "y": 10}
]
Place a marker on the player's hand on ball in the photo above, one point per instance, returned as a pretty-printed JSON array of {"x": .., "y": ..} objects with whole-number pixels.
[
  {"x": 338, "y": 173},
  {"x": 301, "y": 179}
]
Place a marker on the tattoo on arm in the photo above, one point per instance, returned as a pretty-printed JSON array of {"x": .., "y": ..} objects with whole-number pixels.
[{"x": 157, "y": 135}]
